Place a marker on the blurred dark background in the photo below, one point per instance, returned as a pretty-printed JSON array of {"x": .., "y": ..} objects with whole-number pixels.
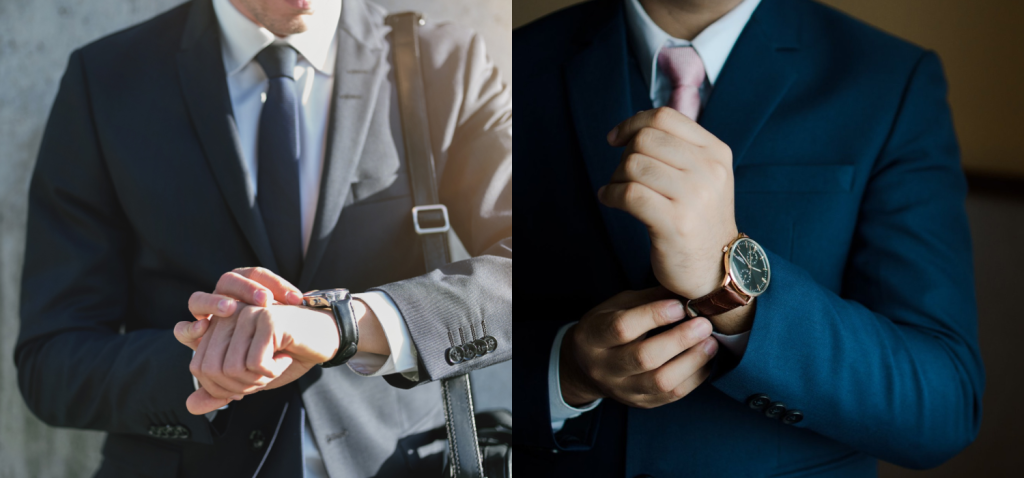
[{"x": 981, "y": 44}]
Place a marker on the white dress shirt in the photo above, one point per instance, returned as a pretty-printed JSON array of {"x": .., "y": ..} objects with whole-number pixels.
[
  {"x": 713, "y": 45},
  {"x": 241, "y": 41}
]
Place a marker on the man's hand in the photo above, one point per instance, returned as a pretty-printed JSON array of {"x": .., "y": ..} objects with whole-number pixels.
[
  {"x": 242, "y": 349},
  {"x": 608, "y": 353},
  {"x": 677, "y": 179}
]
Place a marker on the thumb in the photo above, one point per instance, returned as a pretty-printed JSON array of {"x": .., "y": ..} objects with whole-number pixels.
[
  {"x": 191, "y": 333},
  {"x": 201, "y": 402}
]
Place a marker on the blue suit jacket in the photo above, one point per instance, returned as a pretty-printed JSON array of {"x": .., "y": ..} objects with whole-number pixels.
[{"x": 847, "y": 172}]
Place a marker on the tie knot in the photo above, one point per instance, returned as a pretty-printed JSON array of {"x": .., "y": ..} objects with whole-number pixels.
[
  {"x": 278, "y": 61},
  {"x": 682, "y": 65}
]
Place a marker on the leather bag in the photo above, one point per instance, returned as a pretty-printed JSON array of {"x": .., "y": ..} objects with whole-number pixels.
[{"x": 479, "y": 446}]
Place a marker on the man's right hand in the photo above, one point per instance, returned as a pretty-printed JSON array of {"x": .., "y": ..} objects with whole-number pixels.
[{"x": 608, "y": 353}]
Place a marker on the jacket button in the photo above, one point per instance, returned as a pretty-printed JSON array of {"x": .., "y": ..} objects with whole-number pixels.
[
  {"x": 481, "y": 347},
  {"x": 471, "y": 350},
  {"x": 775, "y": 410},
  {"x": 181, "y": 433},
  {"x": 792, "y": 417},
  {"x": 759, "y": 401},
  {"x": 492, "y": 343},
  {"x": 257, "y": 439},
  {"x": 153, "y": 431},
  {"x": 455, "y": 355}
]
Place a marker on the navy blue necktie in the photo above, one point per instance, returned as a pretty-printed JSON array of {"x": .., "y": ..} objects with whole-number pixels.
[{"x": 277, "y": 190}]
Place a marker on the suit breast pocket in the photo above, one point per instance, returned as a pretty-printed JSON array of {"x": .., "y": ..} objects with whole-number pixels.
[{"x": 794, "y": 178}]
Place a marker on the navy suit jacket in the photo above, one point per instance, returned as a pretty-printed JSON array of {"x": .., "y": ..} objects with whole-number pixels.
[{"x": 847, "y": 171}]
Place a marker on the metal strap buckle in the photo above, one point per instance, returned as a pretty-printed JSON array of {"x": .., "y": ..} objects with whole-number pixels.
[{"x": 430, "y": 230}]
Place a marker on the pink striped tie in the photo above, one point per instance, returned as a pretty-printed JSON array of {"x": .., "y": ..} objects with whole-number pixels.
[{"x": 686, "y": 70}]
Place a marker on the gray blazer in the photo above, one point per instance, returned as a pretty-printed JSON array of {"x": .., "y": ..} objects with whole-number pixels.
[{"x": 139, "y": 198}]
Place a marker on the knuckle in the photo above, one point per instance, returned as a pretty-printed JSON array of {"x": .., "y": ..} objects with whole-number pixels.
[
  {"x": 619, "y": 329},
  {"x": 662, "y": 116},
  {"x": 641, "y": 359},
  {"x": 663, "y": 384},
  {"x": 635, "y": 166},
  {"x": 631, "y": 193},
  {"x": 644, "y": 139}
]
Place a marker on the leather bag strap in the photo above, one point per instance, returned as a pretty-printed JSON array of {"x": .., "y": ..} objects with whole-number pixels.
[{"x": 430, "y": 219}]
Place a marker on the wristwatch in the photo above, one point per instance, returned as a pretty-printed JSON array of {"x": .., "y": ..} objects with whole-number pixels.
[
  {"x": 340, "y": 303},
  {"x": 747, "y": 275}
]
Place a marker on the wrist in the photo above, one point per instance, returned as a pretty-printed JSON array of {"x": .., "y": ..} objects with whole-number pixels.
[
  {"x": 577, "y": 389},
  {"x": 735, "y": 321},
  {"x": 371, "y": 334}
]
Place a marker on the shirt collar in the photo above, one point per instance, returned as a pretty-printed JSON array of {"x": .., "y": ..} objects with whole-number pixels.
[
  {"x": 243, "y": 39},
  {"x": 713, "y": 44}
]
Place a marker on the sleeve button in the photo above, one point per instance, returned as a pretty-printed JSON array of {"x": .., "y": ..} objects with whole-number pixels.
[
  {"x": 759, "y": 401},
  {"x": 792, "y": 417},
  {"x": 775, "y": 410}
]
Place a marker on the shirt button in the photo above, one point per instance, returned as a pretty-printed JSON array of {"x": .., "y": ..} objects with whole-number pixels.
[
  {"x": 759, "y": 401},
  {"x": 775, "y": 410},
  {"x": 792, "y": 417}
]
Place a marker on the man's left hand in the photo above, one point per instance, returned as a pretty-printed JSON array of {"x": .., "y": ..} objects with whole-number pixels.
[{"x": 677, "y": 179}]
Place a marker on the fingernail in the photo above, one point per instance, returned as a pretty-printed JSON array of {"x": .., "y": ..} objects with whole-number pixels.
[
  {"x": 294, "y": 297},
  {"x": 711, "y": 347},
  {"x": 703, "y": 327},
  {"x": 613, "y": 134},
  {"x": 674, "y": 311},
  {"x": 236, "y": 397},
  {"x": 222, "y": 306},
  {"x": 260, "y": 297},
  {"x": 196, "y": 326}
]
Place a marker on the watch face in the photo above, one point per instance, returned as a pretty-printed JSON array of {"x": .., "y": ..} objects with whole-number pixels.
[{"x": 748, "y": 267}]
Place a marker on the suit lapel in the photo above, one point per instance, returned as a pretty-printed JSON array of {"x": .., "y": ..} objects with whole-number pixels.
[
  {"x": 204, "y": 85},
  {"x": 359, "y": 72},
  {"x": 599, "y": 93},
  {"x": 755, "y": 77}
]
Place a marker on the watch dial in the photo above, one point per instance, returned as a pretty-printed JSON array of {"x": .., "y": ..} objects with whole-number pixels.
[{"x": 749, "y": 267}]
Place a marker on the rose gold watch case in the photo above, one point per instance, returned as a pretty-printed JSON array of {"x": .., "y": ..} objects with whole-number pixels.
[{"x": 728, "y": 281}]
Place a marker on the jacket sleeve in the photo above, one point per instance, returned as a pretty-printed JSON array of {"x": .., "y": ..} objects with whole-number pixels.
[
  {"x": 471, "y": 133},
  {"x": 891, "y": 365},
  {"x": 77, "y": 365}
]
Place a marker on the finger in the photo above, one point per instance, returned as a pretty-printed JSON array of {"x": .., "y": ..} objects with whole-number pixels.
[
  {"x": 653, "y": 352},
  {"x": 238, "y": 287},
  {"x": 653, "y": 173},
  {"x": 675, "y": 152},
  {"x": 626, "y": 326},
  {"x": 635, "y": 298},
  {"x": 190, "y": 333},
  {"x": 282, "y": 290},
  {"x": 237, "y": 353},
  {"x": 212, "y": 365},
  {"x": 670, "y": 379},
  {"x": 201, "y": 402},
  {"x": 202, "y": 305},
  {"x": 196, "y": 367},
  {"x": 640, "y": 201},
  {"x": 263, "y": 357},
  {"x": 665, "y": 119}
]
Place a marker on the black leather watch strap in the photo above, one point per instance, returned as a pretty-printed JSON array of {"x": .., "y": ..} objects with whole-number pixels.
[{"x": 348, "y": 331}]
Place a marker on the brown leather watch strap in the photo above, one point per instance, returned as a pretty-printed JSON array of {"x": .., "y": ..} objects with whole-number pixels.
[{"x": 719, "y": 301}]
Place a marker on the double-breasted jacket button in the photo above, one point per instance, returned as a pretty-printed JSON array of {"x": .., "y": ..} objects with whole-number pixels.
[
  {"x": 792, "y": 417},
  {"x": 257, "y": 440},
  {"x": 758, "y": 401},
  {"x": 775, "y": 410}
]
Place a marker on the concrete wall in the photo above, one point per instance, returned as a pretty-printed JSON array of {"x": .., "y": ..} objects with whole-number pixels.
[{"x": 36, "y": 38}]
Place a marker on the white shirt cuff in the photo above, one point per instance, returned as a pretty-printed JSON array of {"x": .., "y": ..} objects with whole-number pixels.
[
  {"x": 737, "y": 344},
  {"x": 561, "y": 411},
  {"x": 403, "y": 358}
]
